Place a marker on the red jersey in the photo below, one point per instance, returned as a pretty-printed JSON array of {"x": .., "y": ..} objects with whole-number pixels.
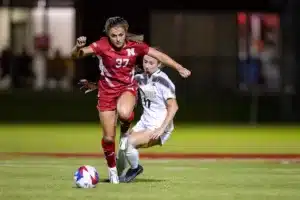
[{"x": 117, "y": 67}]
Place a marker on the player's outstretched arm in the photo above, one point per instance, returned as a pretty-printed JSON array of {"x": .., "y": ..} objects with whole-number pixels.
[
  {"x": 168, "y": 61},
  {"x": 80, "y": 50},
  {"x": 172, "y": 108}
]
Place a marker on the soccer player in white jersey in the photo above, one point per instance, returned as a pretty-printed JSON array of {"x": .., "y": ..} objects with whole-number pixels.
[{"x": 157, "y": 93}]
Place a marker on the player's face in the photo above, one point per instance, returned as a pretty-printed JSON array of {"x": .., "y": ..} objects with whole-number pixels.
[
  {"x": 150, "y": 64},
  {"x": 117, "y": 36}
]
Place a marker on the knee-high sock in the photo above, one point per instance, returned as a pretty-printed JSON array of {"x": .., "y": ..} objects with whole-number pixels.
[
  {"x": 109, "y": 153},
  {"x": 122, "y": 162},
  {"x": 132, "y": 155}
]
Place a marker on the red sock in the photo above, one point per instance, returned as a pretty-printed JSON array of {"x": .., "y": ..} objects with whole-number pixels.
[{"x": 109, "y": 153}]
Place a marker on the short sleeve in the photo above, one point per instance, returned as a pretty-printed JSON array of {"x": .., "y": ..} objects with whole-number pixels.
[
  {"x": 168, "y": 93},
  {"x": 98, "y": 46},
  {"x": 166, "y": 87},
  {"x": 142, "y": 48}
]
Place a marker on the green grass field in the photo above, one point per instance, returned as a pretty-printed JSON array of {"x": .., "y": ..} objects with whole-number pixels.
[
  {"x": 45, "y": 178},
  {"x": 185, "y": 139},
  {"x": 49, "y": 178}
]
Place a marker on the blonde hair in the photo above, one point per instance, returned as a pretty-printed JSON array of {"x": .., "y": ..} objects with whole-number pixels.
[{"x": 135, "y": 37}]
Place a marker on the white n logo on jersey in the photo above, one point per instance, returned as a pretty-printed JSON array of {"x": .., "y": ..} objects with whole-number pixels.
[{"x": 130, "y": 52}]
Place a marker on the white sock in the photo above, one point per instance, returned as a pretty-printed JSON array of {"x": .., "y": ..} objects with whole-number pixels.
[
  {"x": 112, "y": 170},
  {"x": 132, "y": 156},
  {"x": 113, "y": 175},
  {"x": 122, "y": 162}
]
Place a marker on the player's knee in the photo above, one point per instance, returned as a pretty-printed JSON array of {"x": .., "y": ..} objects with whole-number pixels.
[
  {"x": 130, "y": 148},
  {"x": 131, "y": 141},
  {"x": 123, "y": 143},
  {"x": 124, "y": 113},
  {"x": 127, "y": 144},
  {"x": 109, "y": 139}
]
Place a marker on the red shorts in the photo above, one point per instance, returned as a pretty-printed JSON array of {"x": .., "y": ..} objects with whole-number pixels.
[{"x": 108, "y": 97}]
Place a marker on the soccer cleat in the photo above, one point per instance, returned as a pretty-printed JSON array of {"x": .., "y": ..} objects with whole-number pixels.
[
  {"x": 113, "y": 176},
  {"x": 131, "y": 174},
  {"x": 122, "y": 179}
]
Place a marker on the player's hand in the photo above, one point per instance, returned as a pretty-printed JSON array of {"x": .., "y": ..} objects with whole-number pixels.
[
  {"x": 157, "y": 133},
  {"x": 81, "y": 42},
  {"x": 184, "y": 72},
  {"x": 87, "y": 86}
]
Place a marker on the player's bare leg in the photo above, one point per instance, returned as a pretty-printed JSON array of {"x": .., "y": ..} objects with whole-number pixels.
[
  {"x": 143, "y": 139},
  {"x": 125, "y": 107},
  {"x": 129, "y": 146},
  {"x": 108, "y": 121}
]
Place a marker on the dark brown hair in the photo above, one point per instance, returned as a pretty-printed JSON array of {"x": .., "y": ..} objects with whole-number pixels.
[{"x": 115, "y": 21}]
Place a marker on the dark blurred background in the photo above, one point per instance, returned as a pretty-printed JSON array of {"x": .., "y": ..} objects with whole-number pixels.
[{"x": 245, "y": 63}]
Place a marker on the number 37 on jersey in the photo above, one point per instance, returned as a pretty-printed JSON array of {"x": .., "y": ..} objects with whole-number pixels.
[{"x": 123, "y": 62}]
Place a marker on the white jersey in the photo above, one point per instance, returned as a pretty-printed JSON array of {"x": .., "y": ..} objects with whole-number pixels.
[{"x": 154, "y": 93}]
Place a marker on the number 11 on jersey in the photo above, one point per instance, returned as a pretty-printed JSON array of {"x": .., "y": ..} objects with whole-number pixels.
[
  {"x": 122, "y": 62},
  {"x": 147, "y": 103}
]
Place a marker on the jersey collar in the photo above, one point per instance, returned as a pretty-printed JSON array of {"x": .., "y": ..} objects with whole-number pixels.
[
  {"x": 154, "y": 73},
  {"x": 157, "y": 71}
]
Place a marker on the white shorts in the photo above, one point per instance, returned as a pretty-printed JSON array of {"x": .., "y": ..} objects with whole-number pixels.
[{"x": 141, "y": 126}]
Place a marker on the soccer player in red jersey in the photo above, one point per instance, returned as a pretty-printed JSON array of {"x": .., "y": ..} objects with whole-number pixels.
[{"x": 117, "y": 88}]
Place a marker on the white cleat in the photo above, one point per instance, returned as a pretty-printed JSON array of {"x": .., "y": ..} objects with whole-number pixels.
[{"x": 113, "y": 175}]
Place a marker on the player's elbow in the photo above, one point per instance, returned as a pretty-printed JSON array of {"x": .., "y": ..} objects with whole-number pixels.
[
  {"x": 73, "y": 54},
  {"x": 81, "y": 53},
  {"x": 176, "y": 107},
  {"x": 76, "y": 54}
]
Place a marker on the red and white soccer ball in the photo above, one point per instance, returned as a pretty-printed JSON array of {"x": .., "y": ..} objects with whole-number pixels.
[{"x": 86, "y": 177}]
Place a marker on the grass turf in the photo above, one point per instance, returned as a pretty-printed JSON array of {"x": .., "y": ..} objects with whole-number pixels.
[
  {"x": 51, "y": 178},
  {"x": 185, "y": 139},
  {"x": 26, "y": 178}
]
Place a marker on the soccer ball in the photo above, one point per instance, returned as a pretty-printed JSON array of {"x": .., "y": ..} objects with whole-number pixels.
[{"x": 86, "y": 177}]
